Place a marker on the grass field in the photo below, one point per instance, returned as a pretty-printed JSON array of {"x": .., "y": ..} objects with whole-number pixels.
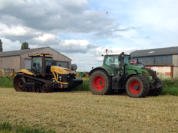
[{"x": 82, "y": 112}]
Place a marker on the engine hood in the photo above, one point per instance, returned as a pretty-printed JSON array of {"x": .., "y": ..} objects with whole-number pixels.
[{"x": 61, "y": 70}]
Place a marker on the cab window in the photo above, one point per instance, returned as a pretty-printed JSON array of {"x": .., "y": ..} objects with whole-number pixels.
[
  {"x": 49, "y": 61},
  {"x": 111, "y": 60},
  {"x": 127, "y": 60},
  {"x": 37, "y": 64}
]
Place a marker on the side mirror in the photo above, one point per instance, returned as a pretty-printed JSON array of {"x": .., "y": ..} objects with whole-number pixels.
[
  {"x": 121, "y": 56},
  {"x": 74, "y": 67}
]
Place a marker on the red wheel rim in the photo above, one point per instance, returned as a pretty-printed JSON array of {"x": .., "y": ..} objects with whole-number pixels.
[
  {"x": 98, "y": 83},
  {"x": 135, "y": 87}
]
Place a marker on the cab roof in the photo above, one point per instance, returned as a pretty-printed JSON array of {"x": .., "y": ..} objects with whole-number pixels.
[
  {"x": 114, "y": 54},
  {"x": 40, "y": 55}
]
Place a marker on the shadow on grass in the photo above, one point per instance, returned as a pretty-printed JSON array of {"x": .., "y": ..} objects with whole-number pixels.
[{"x": 8, "y": 128}]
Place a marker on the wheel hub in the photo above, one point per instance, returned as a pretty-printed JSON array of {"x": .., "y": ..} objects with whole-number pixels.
[
  {"x": 101, "y": 83},
  {"x": 98, "y": 83},
  {"x": 20, "y": 83},
  {"x": 135, "y": 87}
]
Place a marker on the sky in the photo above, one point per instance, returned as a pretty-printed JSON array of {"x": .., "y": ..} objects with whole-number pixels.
[{"x": 83, "y": 29}]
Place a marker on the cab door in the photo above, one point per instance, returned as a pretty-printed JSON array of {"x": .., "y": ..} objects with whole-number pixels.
[{"x": 36, "y": 65}]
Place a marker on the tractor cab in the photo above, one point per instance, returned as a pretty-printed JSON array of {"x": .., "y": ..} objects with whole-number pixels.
[
  {"x": 41, "y": 63},
  {"x": 116, "y": 61}
]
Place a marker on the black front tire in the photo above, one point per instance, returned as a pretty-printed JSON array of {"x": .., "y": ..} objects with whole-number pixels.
[{"x": 19, "y": 83}]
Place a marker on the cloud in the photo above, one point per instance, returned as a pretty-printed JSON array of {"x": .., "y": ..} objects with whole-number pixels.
[
  {"x": 18, "y": 32},
  {"x": 76, "y": 46},
  {"x": 41, "y": 22},
  {"x": 117, "y": 50},
  {"x": 9, "y": 45},
  {"x": 83, "y": 29},
  {"x": 46, "y": 37},
  {"x": 162, "y": 15},
  {"x": 64, "y": 16}
]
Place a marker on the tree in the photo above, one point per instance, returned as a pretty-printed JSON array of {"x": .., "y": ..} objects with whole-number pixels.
[
  {"x": 1, "y": 48},
  {"x": 24, "y": 45}
]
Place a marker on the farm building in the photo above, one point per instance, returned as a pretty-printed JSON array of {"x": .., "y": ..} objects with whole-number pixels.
[
  {"x": 162, "y": 60},
  {"x": 11, "y": 61}
]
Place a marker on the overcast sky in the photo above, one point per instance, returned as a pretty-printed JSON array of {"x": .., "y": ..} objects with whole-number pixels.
[{"x": 83, "y": 29}]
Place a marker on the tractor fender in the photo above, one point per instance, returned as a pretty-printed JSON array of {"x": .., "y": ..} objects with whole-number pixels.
[
  {"x": 99, "y": 68},
  {"x": 19, "y": 74},
  {"x": 126, "y": 77}
]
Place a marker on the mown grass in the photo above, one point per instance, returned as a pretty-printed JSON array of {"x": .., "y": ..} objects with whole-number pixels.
[
  {"x": 6, "y": 127},
  {"x": 82, "y": 112}
]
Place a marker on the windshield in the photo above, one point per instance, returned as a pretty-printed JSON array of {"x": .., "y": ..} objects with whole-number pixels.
[
  {"x": 111, "y": 60},
  {"x": 37, "y": 64},
  {"x": 114, "y": 60},
  {"x": 127, "y": 59},
  {"x": 49, "y": 61}
]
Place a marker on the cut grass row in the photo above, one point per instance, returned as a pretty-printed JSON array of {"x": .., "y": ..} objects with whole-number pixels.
[
  {"x": 6, "y": 127},
  {"x": 170, "y": 85}
]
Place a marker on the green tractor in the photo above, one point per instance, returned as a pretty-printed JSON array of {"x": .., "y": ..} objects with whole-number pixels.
[{"x": 117, "y": 73}]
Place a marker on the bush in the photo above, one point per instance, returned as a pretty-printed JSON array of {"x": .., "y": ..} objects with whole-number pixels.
[
  {"x": 170, "y": 86},
  {"x": 84, "y": 86},
  {"x": 6, "y": 82}
]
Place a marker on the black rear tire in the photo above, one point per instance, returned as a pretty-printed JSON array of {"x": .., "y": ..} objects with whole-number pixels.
[
  {"x": 137, "y": 86},
  {"x": 156, "y": 91},
  {"x": 99, "y": 83}
]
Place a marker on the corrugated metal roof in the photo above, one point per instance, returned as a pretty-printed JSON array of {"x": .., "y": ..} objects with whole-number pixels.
[
  {"x": 26, "y": 51},
  {"x": 155, "y": 52},
  {"x": 18, "y": 52}
]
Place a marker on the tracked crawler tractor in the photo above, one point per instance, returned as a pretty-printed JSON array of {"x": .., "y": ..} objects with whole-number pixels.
[
  {"x": 45, "y": 76},
  {"x": 117, "y": 73}
]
